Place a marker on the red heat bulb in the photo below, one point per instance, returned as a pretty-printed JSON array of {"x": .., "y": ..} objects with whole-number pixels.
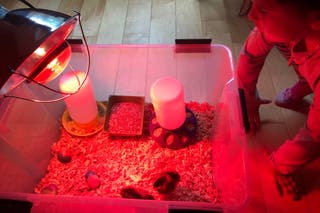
[{"x": 54, "y": 67}]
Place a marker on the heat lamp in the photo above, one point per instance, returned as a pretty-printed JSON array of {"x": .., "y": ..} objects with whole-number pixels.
[
  {"x": 35, "y": 51},
  {"x": 34, "y": 47}
]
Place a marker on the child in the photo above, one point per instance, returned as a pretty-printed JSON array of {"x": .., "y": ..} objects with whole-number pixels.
[{"x": 292, "y": 26}]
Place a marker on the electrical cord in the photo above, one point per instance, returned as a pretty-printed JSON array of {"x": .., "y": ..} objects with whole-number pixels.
[{"x": 28, "y": 4}]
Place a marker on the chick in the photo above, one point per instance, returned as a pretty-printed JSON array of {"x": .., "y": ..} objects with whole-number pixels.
[
  {"x": 131, "y": 192},
  {"x": 167, "y": 182}
]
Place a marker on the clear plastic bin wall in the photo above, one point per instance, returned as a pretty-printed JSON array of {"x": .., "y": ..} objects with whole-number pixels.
[{"x": 29, "y": 129}]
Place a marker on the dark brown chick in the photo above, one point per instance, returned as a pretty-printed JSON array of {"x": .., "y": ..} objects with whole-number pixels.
[
  {"x": 131, "y": 192},
  {"x": 167, "y": 182}
]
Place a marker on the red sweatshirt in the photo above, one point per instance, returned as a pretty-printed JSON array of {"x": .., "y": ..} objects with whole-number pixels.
[{"x": 295, "y": 153}]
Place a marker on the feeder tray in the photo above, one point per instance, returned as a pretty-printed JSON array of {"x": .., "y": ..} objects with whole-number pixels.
[{"x": 125, "y": 115}]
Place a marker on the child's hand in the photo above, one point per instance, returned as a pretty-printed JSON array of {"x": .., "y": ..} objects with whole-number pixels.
[
  {"x": 286, "y": 184},
  {"x": 289, "y": 184},
  {"x": 253, "y": 102}
]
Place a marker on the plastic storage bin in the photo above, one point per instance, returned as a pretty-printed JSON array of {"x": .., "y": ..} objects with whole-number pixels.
[{"x": 29, "y": 129}]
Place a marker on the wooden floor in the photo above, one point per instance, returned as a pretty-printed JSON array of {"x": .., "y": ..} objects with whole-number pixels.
[{"x": 160, "y": 22}]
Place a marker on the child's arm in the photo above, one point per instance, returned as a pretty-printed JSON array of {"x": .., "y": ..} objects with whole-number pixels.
[
  {"x": 250, "y": 63},
  {"x": 294, "y": 154},
  {"x": 289, "y": 158},
  {"x": 251, "y": 60}
]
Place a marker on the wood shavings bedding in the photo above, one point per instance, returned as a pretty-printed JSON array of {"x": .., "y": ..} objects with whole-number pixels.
[{"x": 137, "y": 162}]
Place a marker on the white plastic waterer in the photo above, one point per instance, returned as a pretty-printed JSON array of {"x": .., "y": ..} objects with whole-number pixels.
[
  {"x": 82, "y": 105},
  {"x": 167, "y": 97}
]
